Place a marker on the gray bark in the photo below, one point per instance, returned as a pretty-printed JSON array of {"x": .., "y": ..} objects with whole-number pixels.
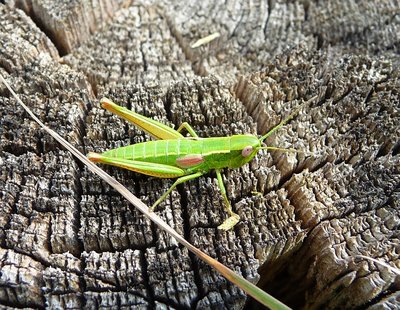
[{"x": 67, "y": 240}]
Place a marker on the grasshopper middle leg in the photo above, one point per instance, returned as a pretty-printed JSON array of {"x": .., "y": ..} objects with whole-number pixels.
[{"x": 178, "y": 181}]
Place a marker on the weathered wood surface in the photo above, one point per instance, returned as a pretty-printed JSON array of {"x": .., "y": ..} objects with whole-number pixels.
[{"x": 69, "y": 241}]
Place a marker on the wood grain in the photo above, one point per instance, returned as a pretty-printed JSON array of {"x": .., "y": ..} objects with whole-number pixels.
[{"x": 69, "y": 241}]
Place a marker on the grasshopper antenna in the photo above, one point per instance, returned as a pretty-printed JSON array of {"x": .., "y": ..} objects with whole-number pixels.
[
  {"x": 289, "y": 150},
  {"x": 280, "y": 149},
  {"x": 287, "y": 119}
]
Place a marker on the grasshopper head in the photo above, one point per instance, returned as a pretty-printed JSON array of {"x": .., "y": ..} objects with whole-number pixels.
[{"x": 245, "y": 147}]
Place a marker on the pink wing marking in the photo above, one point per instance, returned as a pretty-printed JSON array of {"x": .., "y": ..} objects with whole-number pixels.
[{"x": 189, "y": 160}]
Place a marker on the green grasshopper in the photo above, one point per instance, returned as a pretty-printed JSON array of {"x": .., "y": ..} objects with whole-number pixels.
[{"x": 173, "y": 155}]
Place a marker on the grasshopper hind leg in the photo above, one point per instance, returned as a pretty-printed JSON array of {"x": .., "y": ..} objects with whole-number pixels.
[{"x": 188, "y": 128}]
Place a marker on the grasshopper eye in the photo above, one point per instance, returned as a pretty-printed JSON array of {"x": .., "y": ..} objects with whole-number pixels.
[{"x": 247, "y": 151}]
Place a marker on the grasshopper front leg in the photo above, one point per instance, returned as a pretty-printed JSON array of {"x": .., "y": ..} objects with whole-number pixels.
[{"x": 234, "y": 218}]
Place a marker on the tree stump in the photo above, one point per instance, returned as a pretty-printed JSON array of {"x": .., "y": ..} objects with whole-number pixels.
[{"x": 68, "y": 240}]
